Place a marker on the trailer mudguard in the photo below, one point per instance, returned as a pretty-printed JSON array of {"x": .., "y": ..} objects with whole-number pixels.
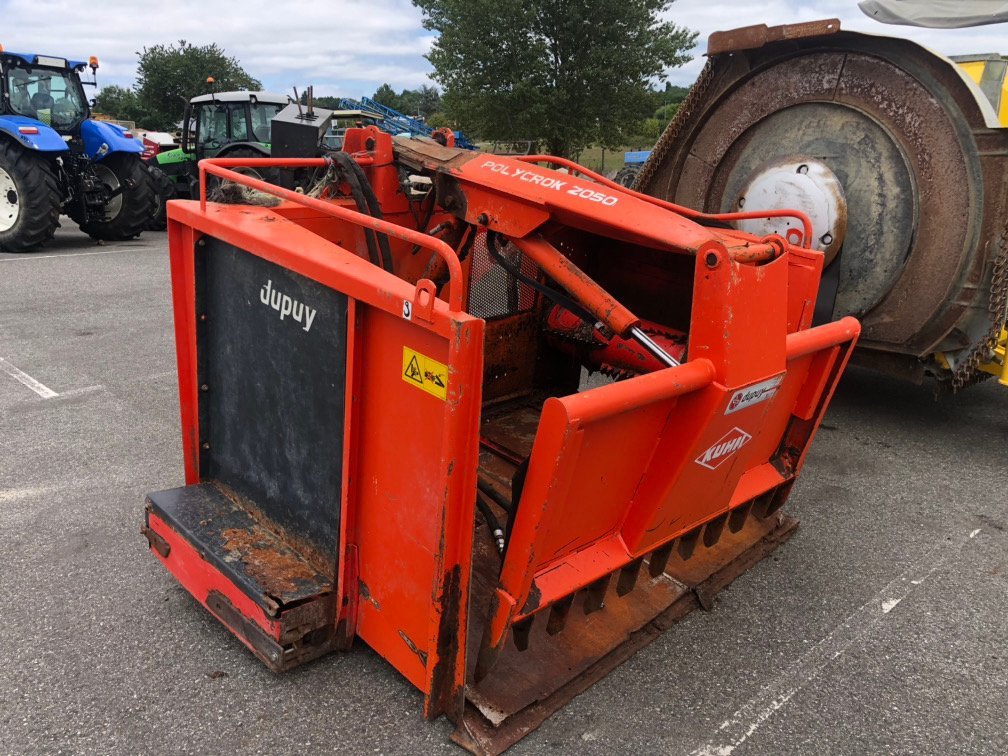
[
  {"x": 114, "y": 138},
  {"x": 32, "y": 134}
]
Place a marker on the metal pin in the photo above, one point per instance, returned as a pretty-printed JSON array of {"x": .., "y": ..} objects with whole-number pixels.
[
  {"x": 739, "y": 515},
  {"x": 688, "y": 542},
  {"x": 595, "y": 595},
  {"x": 659, "y": 558},
  {"x": 628, "y": 577},
  {"x": 712, "y": 531},
  {"x": 645, "y": 341},
  {"x": 558, "y": 615},
  {"x": 521, "y": 632}
]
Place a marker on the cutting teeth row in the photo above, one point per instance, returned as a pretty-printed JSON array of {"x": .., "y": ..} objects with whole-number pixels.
[
  {"x": 617, "y": 374},
  {"x": 626, "y": 578}
]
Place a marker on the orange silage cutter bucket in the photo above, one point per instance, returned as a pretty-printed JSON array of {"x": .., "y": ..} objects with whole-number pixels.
[{"x": 389, "y": 434}]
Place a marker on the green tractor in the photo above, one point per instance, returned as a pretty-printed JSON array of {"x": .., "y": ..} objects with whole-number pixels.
[{"x": 221, "y": 124}]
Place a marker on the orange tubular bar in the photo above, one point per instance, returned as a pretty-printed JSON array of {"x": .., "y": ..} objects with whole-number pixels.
[
  {"x": 221, "y": 167},
  {"x": 681, "y": 209},
  {"x": 648, "y": 389},
  {"x": 578, "y": 284},
  {"x": 801, "y": 343}
]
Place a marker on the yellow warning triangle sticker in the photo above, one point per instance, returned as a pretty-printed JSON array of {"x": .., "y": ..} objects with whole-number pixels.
[
  {"x": 425, "y": 373},
  {"x": 412, "y": 371}
]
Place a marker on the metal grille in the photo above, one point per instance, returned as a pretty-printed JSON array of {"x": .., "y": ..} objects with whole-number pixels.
[{"x": 493, "y": 292}]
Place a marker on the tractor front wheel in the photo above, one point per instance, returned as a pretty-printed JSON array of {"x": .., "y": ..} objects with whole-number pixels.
[
  {"x": 29, "y": 199},
  {"x": 134, "y": 201}
]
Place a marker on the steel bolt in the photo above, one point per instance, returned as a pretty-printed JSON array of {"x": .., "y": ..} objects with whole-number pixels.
[
  {"x": 741, "y": 201},
  {"x": 826, "y": 239},
  {"x": 201, "y": 243},
  {"x": 205, "y": 444},
  {"x": 204, "y": 387},
  {"x": 483, "y": 219},
  {"x": 802, "y": 168}
]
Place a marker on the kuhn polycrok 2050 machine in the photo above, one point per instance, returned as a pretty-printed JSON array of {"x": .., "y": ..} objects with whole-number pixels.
[{"x": 387, "y": 434}]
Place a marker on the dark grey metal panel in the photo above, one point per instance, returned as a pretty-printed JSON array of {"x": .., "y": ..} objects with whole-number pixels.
[{"x": 272, "y": 356}]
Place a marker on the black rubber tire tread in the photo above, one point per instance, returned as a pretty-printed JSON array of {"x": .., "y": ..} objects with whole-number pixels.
[
  {"x": 269, "y": 175},
  {"x": 139, "y": 202},
  {"x": 626, "y": 175},
  {"x": 165, "y": 191},
  {"x": 39, "y": 195}
]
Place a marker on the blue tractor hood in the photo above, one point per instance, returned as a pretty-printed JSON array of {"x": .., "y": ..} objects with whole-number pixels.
[
  {"x": 32, "y": 134},
  {"x": 102, "y": 138}
]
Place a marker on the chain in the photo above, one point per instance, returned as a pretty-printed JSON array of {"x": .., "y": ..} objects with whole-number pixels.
[
  {"x": 668, "y": 138},
  {"x": 968, "y": 372}
]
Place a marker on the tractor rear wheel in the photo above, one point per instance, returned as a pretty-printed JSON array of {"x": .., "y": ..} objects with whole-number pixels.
[
  {"x": 128, "y": 212},
  {"x": 29, "y": 199},
  {"x": 219, "y": 188},
  {"x": 626, "y": 175}
]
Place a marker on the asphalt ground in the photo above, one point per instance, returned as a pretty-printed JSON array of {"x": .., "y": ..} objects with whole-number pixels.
[{"x": 881, "y": 627}]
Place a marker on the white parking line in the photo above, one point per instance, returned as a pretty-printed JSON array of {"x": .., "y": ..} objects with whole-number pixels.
[
  {"x": 19, "y": 375},
  {"x": 747, "y": 720},
  {"x": 27, "y": 258}
]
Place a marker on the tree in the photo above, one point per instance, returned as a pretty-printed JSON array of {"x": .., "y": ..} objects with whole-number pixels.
[
  {"x": 565, "y": 73},
  {"x": 437, "y": 120},
  {"x": 120, "y": 103},
  {"x": 386, "y": 96},
  {"x": 168, "y": 75},
  {"x": 428, "y": 101}
]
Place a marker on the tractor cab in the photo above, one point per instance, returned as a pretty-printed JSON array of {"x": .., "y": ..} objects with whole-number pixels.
[
  {"x": 214, "y": 123},
  {"x": 45, "y": 89}
]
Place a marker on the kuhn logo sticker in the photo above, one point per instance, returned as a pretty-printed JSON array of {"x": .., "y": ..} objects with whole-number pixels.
[
  {"x": 750, "y": 395},
  {"x": 286, "y": 306},
  {"x": 723, "y": 448}
]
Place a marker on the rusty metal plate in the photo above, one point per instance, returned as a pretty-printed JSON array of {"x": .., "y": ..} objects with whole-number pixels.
[
  {"x": 526, "y": 687},
  {"x": 750, "y": 37},
  {"x": 236, "y": 542}
]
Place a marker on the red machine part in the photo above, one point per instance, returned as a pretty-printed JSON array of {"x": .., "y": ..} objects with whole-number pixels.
[
  {"x": 459, "y": 370},
  {"x": 613, "y": 355}
]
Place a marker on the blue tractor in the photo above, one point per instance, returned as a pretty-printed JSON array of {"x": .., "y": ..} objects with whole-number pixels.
[{"x": 55, "y": 159}]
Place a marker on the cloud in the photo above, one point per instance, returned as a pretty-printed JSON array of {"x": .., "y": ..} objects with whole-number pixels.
[
  {"x": 351, "y": 46},
  {"x": 347, "y": 47}
]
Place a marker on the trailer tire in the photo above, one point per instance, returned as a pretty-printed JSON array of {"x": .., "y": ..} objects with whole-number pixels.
[
  {"x": 165, "y": 191},
  {"x": 128, "y": 213},
  {"x": 29, "y": 199}
]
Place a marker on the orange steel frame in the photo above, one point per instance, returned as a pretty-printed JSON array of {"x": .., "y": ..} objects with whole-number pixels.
[{"x": 614, "y": 474}]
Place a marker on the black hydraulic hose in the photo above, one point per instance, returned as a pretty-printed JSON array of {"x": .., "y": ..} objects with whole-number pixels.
[
  {"x": 489, "y": 491},
  {"x": 492, "y": 523},
  {"x": 357, "y": 194},
  {"x": 372, "y": 208},
  {"x": 552, "y": 294}
]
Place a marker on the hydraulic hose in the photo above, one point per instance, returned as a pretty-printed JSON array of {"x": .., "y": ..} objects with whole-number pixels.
[
  {"x": 492, "y": 493},
  {"x": 491, "y": 521},
  {"x": 364, "y": 197}
]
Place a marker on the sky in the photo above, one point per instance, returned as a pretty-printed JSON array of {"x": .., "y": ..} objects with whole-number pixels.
[{"x": 350, "y": 47}]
